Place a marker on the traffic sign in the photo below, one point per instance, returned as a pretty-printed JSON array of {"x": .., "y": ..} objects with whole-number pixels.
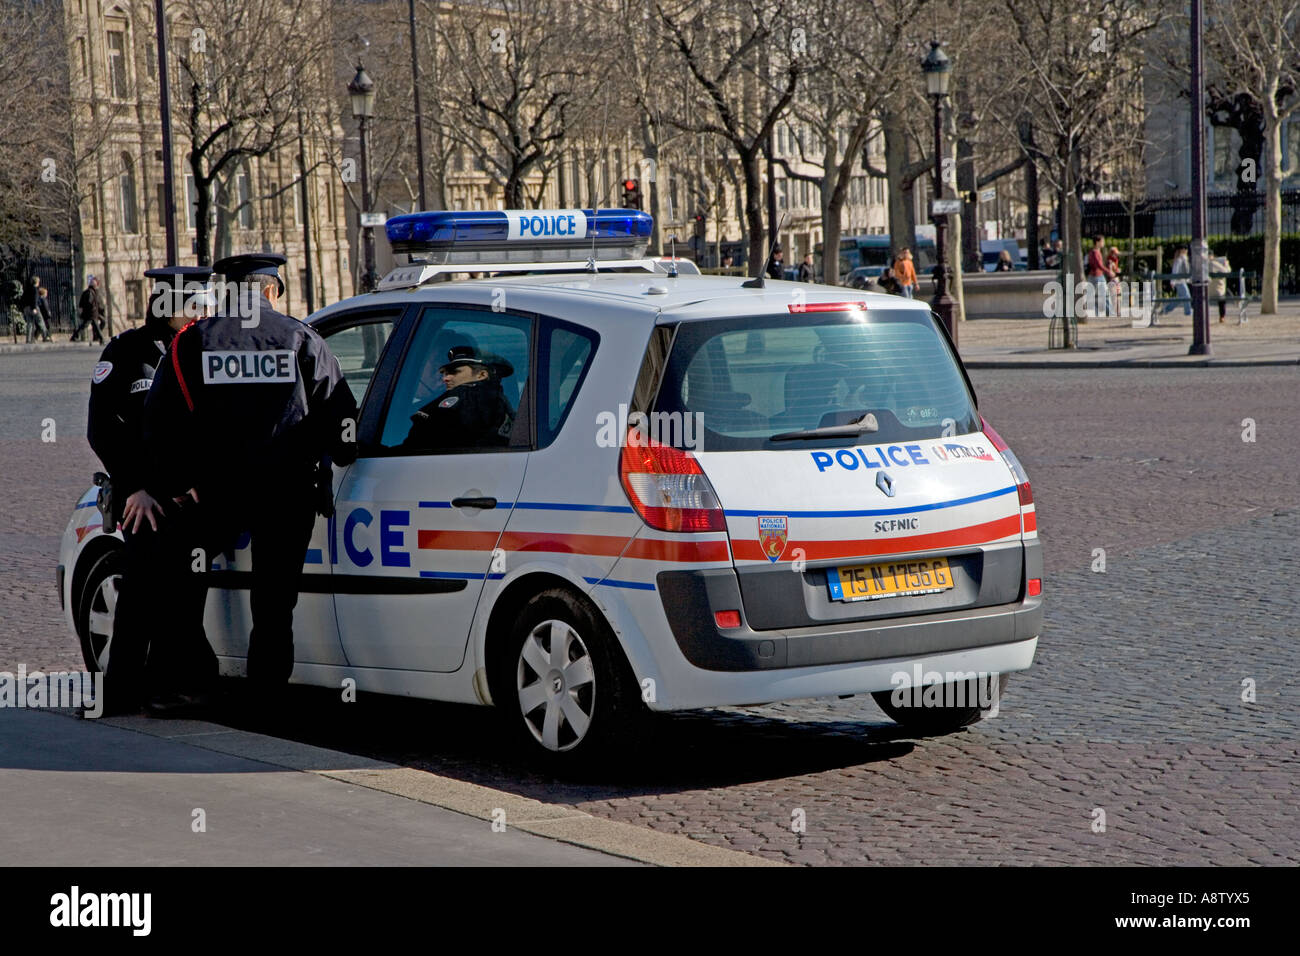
[
  {"x": 945, "y": 207},
  {"x": 373, "y": 219}
]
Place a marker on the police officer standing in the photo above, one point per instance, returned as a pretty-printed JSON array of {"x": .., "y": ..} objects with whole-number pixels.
[
  {"x": 240, "y": 415},
  {"x": 473, "y": 412},
  {"x": 119, "y": 384}
]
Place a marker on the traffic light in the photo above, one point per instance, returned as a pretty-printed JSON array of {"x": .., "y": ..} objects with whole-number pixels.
[
  {"x": 698, "y": 220},
  {"x": 631, "y": 194}
]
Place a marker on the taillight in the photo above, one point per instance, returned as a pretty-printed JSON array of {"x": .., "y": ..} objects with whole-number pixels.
[
  {"x": 1025, "y": 492},
  {"x": 827, "y": 306},
  {"x": 667, "y": 487}
]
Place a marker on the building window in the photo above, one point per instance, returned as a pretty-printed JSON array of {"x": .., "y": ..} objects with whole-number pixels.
[
  {"x": 297, "y": 192},
  {"x": 150, "y": 60},
  {"x": 117, "y": 63},
  {"x": 126, "y": 192},
  {"x": 244, "y": 193},
  {"x": 274, "y": 192},
  {"x": 191, "y": 202},
  {"x": 94, "y": 210},
  {"x": 81, "y": 55},
  {"x": 134, "y": 299},
  {"x": 1225, "y": 159},
  {"x": 162, "y": 205},
  {"x": 1291, "y": 149}
]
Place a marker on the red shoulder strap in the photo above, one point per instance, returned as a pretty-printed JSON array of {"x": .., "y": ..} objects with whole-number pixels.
[{"x": 176, "y": 366}]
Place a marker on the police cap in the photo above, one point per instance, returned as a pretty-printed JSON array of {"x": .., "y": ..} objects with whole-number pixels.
[
  {"x": 176, "y": 288},
  {"x": 238, "y": 268},
  {"x": 475, "y": 357}
]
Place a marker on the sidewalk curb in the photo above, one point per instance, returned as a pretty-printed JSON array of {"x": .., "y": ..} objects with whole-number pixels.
[
  {"x": 1129, "y": 363},
  {"x": 14, "y": 348},
  {"x": 550, "y": 821}
]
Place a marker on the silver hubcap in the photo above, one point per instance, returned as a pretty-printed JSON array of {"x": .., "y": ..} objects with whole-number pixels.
[
  {"x": 102, "y": 609},
  {"x": 556, "y": 685}
]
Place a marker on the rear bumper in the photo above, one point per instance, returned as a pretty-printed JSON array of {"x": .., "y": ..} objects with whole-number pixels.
[{"x": 690, "y": 599}]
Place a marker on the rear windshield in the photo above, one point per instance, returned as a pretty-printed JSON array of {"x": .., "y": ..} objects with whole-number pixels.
[{"x": 747, "y": 380}]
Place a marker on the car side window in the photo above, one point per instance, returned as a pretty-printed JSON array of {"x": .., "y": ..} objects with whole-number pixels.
[
  {"x": 358, "y": 348},
  {"x": 566, "y": 353},
  {"x": 461, "y": 384}
]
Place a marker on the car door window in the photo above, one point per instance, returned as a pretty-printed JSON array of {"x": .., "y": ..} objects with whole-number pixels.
[
  {"x": 358, "y": 347},
  {"x": 566, "y": 353},
  {"x": 488, "y": 353}
]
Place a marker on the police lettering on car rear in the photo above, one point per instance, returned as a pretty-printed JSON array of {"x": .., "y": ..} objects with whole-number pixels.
[{"x": 843, "y": 512}]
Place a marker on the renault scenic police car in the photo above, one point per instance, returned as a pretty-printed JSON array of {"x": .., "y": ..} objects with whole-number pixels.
[{"x": 707, "y": 491}]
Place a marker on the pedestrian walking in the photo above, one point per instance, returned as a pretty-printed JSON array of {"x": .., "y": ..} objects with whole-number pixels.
[
  {"x": 776, "y": 268},
  {"x": 35, "y": 311},
  {"x": 1112, "y": 280},
  {"x": 905, "y": 273},
  {"x": 1181, "y": 292},
  {"x": 115, "y": 429},
  {"x": 888, "y": 283},
  {"x": 1054, "y": 257},
  {"x": 90, "y": 309},
  {"x": 806, "y": 268},
  {"x": 1219, "y": 283},
  {"x": 1098, "y": 274},
  {"x": 47, "y": 317},
  {"x": 1004, "y": 262},
  {"x": 239, "y": 419}
]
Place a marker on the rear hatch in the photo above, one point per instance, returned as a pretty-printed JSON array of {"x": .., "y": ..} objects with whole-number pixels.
[{"x": 846, "y": 453}]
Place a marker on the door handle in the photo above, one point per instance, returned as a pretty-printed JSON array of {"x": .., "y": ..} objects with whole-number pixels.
[{"x": 485, "y": 503}]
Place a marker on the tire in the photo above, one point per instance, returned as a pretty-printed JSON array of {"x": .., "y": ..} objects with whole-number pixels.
[
  {"x": 96, "y": 608},
  {"x": 566, "y": 712},
  {"x": 933, "y": 721}
]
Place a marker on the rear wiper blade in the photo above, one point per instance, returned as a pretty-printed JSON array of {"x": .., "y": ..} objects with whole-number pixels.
[{"x": 867, "y": 423}]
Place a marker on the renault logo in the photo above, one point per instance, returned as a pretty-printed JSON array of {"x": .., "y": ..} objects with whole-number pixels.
[{"x": 885, "y": 483}]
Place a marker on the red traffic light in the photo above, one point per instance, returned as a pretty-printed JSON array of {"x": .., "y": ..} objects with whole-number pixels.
[{"x": 629, "y": 185}]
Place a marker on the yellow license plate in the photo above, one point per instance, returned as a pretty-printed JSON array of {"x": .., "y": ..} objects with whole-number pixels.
[{"x": 868, "y": 582}]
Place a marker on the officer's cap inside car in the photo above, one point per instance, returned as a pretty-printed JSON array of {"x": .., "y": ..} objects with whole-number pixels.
[{"x": 459, "y": 355}]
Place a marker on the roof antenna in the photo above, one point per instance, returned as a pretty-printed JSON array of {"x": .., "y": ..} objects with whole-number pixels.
[
  {"x": 591, "y": 260},
  {"x": 759, "y": 281},
  {"x": 672, "y": 259}
]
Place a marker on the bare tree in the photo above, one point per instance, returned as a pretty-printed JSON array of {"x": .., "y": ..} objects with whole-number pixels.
[
  {"x": 746, "y": 63},
  {"x": 247, "y": 69},
  {"x": 1257, "y": 48},
  {"x": 516, "y": 76},
  {"x": 1077, "y": 57}
]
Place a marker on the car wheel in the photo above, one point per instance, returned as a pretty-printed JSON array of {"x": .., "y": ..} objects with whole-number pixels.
[
  {"x": 97, "y": 607},
  {"x": 952, "y": 706},
  {"x": 563, "y": 682}
]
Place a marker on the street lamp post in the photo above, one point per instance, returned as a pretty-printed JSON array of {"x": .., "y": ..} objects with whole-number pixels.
[
  {"x": 362, "y": 92},
  {"x": 937, "y": 69}
]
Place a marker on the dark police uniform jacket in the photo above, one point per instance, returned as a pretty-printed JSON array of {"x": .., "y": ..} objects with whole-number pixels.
[
  {"x": 118, "y": 388},
  {"x": 236, "y": 411},
  {"x": 473, "y": 415}
]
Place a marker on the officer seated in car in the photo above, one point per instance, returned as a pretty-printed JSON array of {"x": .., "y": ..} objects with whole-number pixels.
[{"x": 473, "y": 412}]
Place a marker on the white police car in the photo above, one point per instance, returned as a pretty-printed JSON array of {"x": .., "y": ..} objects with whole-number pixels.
[{"x": 715, "y": 491}]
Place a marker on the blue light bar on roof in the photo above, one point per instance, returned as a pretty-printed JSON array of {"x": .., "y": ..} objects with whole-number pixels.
[{"x": 524, "y": 235}]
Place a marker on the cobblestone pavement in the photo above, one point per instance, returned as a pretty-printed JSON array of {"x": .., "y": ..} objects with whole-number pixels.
[{"x": 1134, "y": 706}]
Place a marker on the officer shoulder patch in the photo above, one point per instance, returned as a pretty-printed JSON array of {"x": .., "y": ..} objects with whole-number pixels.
[
  {"x": 101, "y": 372},
  {"x": 449, "y": 401}
]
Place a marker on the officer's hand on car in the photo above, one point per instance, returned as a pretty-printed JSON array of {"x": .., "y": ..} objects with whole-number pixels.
[{"x": 141, "y": 507}]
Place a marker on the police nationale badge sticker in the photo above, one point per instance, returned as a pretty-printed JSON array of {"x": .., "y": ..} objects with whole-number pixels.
[
  {"x": 449, "y": 401},
  {"x": 101, "y": 372},
  {"x": 773, "y": 532}
]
